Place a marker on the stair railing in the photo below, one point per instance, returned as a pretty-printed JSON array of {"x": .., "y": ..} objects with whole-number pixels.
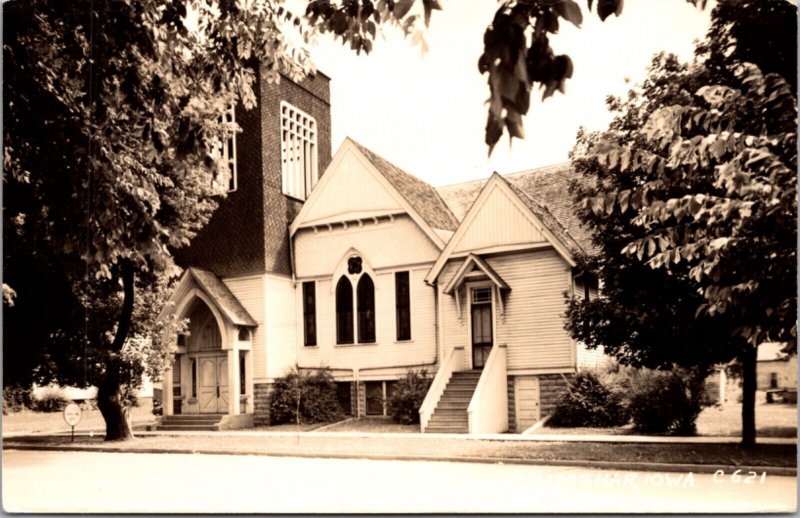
[
  {"x": 488, "y": 408},
  {"x": 454, "y": 359}
]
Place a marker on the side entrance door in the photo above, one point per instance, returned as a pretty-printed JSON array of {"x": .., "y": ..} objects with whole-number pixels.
[
  {"x": 526, "y": 401},
  {"x": 481, "y": 317},
  {"x": 213, "y": 384}
]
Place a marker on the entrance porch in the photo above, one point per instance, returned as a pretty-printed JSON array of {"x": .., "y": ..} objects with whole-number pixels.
[{"x": 210, "y": 382}]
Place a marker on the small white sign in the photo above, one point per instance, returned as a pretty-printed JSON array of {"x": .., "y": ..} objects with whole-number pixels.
[{"x": 72, "y": 414}]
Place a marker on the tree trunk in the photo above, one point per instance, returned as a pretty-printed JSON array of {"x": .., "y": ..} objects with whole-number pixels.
[
  {"x": 109, "y": 395},
  {"x": 748, "y": 360},
  {"x": 115, "y": 414}
]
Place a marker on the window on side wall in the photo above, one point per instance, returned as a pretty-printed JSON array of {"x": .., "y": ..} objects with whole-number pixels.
[
  {"x": 298, "y": 151},
  {"x": 366, "y": 309},
  {"x": 310, "y": 313},
  {"x": 227, "y": 180},
  {"x": 374, "y": 396},
  {"x": 378, "y": 394},
  {"x": 402, "y": 305},
  {"x": 344, "y": 311}
]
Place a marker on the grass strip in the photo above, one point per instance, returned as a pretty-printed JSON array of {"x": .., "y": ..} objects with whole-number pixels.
[{"x": 775, "y": 455}]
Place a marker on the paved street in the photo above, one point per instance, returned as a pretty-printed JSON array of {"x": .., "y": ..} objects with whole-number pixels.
[{"x": 38, "y": 481}]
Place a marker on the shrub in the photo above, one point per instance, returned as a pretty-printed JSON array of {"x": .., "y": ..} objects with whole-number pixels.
[
  {"x": 87, "y": 405},
  {"x": 50, "y": 400},
  {"x": 408, "y": 395},
  {"x": 587, "y": 402},
  {"x": 16, "y": 398},
  {"x": 305, "y": 397},
  {"x": 666, "y": 402}
]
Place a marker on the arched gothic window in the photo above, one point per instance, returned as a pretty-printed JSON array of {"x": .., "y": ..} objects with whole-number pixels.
[
  {"x": 344, "y": 311},
  {"x": 366, "y": 309}
]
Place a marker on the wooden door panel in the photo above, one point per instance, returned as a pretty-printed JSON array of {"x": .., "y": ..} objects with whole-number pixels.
[
  {"x": 222, "y": 381},
  {"x": 526, "y": 402}
]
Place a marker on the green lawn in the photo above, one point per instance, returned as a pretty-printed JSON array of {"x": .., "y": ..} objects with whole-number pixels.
[
  {"x": 446, "y": 449},
  {"x": 37, "y": 422},
  {"x": 372, "y": 424},
  {"x": 772, "y": 420}
]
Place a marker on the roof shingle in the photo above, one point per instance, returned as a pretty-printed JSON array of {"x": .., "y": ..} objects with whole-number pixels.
[
  {"x": 546, "y": 192},
  {"x": 420, "y": 195},
  {"x": 224, "y": 298}
]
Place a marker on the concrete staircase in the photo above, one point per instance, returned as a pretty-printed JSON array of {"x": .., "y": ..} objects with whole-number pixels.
[
  {"x": 190, "y": 422},
  {"x": 450, "y": 415}
]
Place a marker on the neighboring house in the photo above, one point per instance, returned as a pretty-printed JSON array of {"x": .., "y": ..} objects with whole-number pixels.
[
  {"x": 775, "y": 370},
  {"x": 370, "y": 272}
]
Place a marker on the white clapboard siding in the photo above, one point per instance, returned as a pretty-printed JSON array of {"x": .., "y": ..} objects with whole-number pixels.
[
  {"x": 280, "y": 299},
  {"x": 533, "y": 327},
  {"x": 589, "y": 358},
  {"x": 350, "y": 184},
  {"x": 250, "y": 292},
  {"x": 534, "y": 322},
  {"x": 499, "y": 222},
  {"x": 383, "y": 245},
  {"x": 455, "y": 330},
  {"x": 386, "y": 352}
]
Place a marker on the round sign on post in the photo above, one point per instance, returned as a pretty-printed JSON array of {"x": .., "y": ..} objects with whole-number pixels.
[{"x": 72, "y": 416}]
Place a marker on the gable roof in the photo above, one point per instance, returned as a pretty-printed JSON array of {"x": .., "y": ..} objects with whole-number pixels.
[
  {"x": 544, "y": 190},
  {"x": 771, "y": 351},
  {"x": 222, "y": 296},
  {"x": 425, "y": 199},
  {"x": 531, "y": 210}
]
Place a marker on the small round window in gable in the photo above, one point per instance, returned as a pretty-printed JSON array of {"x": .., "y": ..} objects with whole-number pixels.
[{"x": 354, "y": 265}]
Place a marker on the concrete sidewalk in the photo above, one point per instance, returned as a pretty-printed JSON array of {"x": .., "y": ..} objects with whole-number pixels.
[{"x": 639, "y": 439}]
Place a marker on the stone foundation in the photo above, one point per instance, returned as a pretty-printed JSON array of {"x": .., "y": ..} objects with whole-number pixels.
[
  {"x": 512, "y": 410},
  {"x": 551, "y": 386},
  {"x": 261, "y": 404}
]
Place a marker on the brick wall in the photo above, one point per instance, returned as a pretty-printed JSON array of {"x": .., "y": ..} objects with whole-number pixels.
[
  {"x": 261, "y": 404},
  {"x": 361, "y": 398},
  {"x": 550, "y": 388},
  {"x": 248, "y": 232},
  {"x": 313, "y": 97},
  {"x": 512, "y": 410}
]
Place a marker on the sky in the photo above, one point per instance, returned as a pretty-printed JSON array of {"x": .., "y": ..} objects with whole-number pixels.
[{"x": 427, "y": 113}]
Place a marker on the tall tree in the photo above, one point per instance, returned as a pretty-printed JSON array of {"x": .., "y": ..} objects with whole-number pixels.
[
  {"x": 692, "y": 197},
  {"x": 112, "y": 136}
]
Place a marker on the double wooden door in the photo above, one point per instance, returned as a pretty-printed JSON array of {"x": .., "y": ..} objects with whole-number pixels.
[{"x": 214, "y": 391}]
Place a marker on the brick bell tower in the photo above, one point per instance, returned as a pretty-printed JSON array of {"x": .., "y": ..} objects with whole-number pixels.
[{"x": 283, "y": 148}]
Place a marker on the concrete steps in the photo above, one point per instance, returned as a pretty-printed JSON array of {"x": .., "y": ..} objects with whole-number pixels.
[
  {"x": 450, "y": 415},
  {"x": 190, "y": 422}
]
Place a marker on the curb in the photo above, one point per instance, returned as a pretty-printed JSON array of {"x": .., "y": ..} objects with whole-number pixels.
[{"x": 606, "y": 465}]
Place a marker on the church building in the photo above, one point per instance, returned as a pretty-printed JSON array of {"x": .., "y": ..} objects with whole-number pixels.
[{"x": 342, "y": 260}]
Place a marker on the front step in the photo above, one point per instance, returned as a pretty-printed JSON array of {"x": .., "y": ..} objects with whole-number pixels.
[
  {"x": 450, "y": 415},
  {"x": 187, "y": 428},
  {"x": 190, "y": 422}
]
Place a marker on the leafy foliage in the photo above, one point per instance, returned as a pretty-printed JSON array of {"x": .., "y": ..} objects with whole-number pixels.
[
  {"x": 691, "y": 196},
  {"x": 517, "y": 55},
  {"x": 112, "y": 159},
  {"x": 50, "y": 400},
  {"x": 409, "y": 393},
  {"x": 665, "y": 402},
  {"x": 15, "y": 398},
  {"x": 304, "y": 397},
  {"x": 589, "y": 403}
]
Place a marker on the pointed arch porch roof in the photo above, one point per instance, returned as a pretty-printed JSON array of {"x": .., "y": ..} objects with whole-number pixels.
[
  {"x": 473, "y": 261},
  {"x": 220, "y": 294}
]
